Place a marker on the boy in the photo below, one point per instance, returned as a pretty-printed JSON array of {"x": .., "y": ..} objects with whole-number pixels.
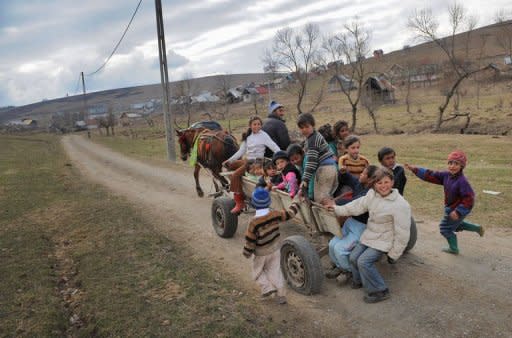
[
  {"x": 458, "y": 198},
  {"x": 262, "y": 240},
  {"x": 387, "y": 158},
  {"x": 320, "y": 161},
  {"x": 270, "y": 177},
  {"x": 352, "y": 161}
]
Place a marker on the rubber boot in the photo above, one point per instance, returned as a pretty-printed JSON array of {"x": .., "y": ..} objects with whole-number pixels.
[
  {"x": 240, "y": 203},
  {"x": 452, "y": 245},
  {"x": 468, "y": 226}
]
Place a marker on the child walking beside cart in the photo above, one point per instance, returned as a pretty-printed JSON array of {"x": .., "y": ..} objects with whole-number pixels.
[
  {"x": 263, "y": 241},
  {"x": 459, "y": 198}
]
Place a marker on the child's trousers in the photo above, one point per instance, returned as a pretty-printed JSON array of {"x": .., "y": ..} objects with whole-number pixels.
[
  {"x": 448, "y": 226},
  {"x": 266, "y": 271},
  {"x": 340, "y": 248}
]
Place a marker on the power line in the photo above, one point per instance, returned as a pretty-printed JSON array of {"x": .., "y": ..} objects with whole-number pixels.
[{"x": 118, "y": 43}]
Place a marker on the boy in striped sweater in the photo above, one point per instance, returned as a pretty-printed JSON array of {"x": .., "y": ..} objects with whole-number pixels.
[
  {"x": 458, "y": 198},
  {"x": 320, "y": 166},
  {"x": 264, "y": 242}
]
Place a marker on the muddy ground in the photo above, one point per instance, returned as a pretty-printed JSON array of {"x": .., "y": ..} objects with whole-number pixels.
[{"x": 433, "y": 294}]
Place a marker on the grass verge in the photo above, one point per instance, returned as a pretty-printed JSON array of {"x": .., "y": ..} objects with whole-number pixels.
[{"x": 78, "y": 261}]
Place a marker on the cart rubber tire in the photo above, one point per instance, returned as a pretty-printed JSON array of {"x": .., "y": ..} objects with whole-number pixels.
[
  {"x": 413, "y": 237},
  {"x": 301, "y": 265},
  {"x": 223, "y": 221}
]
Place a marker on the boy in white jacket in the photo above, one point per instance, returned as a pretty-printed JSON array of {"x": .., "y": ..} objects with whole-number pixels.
[{"x": 387, "y": 232}]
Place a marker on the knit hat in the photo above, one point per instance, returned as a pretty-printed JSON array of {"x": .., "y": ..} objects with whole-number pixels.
[
  {"x": 279, "y": 154},
  {"x": 459, "y": 156},
  {"x": 273, "y": 106},
  {"x": 260, "y": 198}
]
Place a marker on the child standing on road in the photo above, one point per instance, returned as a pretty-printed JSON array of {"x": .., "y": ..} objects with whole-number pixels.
[
  {"x": 387, "y": 158},
  {"x": 458, "y": 198},
  {"x": 352, "y": 161},
  {"x": 263, "y": 241},
  {"x": 387, "y": 232}
]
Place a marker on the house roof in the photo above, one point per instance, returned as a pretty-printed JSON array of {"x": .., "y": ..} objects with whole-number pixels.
[{"x": 341, "y": 77}]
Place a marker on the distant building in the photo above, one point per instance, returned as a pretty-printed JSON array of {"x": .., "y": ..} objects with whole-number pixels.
[
  {"x": 338, "y": 81},
  {"x": 380, "y": 88}
]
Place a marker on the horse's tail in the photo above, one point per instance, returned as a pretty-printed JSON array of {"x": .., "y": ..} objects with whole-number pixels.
[{"x": 230, "y": 146}]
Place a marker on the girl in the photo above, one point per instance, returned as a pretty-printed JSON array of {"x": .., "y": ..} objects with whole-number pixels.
[
  {"x": 341, "y": 132},
  {"x": 270, "y": 176},
  {"x": 296, "y": 155},
  {"x": 387, "y": 232},
  {"x": 458, "y": 198},
  {"x": 352, "y": 161},
  {"x": 291, "y": 175},
  {"x": 253, "y": 146}
]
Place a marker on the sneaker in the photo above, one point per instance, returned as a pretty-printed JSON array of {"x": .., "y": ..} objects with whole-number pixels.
[
  {"x": 281, "y": 300},
  {"x": 356, "y": 285},
  {"x": 378, "y": 296},
  {"x": 333, "y": 273}
]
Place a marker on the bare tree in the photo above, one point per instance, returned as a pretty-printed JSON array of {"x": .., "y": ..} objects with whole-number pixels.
[
  {"x": 372, "y": 105},
  {"x": 297, "y": 51},
  {"x": 185, "y": 89},
  {"x": 351, "y": 47},
  {"x": 483, "y": 41},
  {"x": 426, "y": 25},
  {"x": 223, "y": 87}
]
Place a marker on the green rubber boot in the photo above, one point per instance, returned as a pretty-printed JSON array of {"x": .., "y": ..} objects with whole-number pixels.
[
  {"x": 452, "y": 246},
  {"x": 468, "y": 226}
]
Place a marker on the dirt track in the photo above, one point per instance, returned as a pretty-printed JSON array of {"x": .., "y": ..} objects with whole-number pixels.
[{"x": 433, "y": 294}]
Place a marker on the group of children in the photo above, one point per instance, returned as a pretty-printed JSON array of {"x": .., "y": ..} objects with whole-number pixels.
[{"x": 330, "y": 170}]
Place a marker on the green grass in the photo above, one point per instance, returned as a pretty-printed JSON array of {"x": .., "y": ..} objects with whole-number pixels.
[
  {"x": 489, "y": 168},
  {"x": 70, "y": 248}
]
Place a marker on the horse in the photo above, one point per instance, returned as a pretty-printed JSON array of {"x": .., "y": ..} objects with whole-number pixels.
[{"x": 213, "y": 148}]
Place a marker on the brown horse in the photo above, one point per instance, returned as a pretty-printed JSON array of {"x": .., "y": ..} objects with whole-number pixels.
[{"x": 214, "y": 147}]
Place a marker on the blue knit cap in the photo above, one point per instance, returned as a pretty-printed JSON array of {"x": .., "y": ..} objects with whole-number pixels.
[
  {"x": 260, "y": 198},
  {"x": 273, "y": 106}
]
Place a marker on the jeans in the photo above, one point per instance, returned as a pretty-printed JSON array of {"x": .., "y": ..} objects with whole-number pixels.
[
  {"x": 340, "y": 248},
  {"x": 362, "y": 263},
  {"x": 448, "y": 226}
]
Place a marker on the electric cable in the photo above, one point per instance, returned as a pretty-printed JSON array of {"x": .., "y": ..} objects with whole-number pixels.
[{"x": 118, "y": 43}]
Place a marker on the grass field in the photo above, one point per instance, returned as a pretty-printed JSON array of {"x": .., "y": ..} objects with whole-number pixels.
[
  {"x": 489, "y": 168},
  {"x": 77, "y": 261}
]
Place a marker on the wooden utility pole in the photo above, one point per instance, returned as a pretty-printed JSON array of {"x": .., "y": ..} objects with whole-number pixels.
[{"x": 164, "y": 77}]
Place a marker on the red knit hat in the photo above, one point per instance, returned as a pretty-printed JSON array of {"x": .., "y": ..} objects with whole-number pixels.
[{"x": 459, "y": 156}]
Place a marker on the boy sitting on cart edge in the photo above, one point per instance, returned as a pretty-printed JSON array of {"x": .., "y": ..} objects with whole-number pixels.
[{"x": 264, "y": 242}]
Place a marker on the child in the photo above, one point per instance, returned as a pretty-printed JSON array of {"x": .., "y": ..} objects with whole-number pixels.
[
  {"x": 458, "y": 198},
  {"x": 296, "y": 155},
  {"x": 387, "y": 158},
  {"x": 254, "y": 141},
  {"x": 255, "y": 171},
  {"x": 290, "y": 174},
  {"x": 327, "y": 133},
  {"x": 263, "y": 240},
  {"x": 387, "y": 232},
  {"x": 319, "y": 160},
  {"x": 270, "y": 176},
  {"x": 341, "y": 132},
  {"x": 352, "y": 161}
]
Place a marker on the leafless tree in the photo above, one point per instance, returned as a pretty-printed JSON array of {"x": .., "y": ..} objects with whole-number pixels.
[
  {"x": 426, "y": 25},
  {"x": 351, "y": 47},
  {"x": 185, "y": 89},
  {"x": 372, "y": 105},
  {"x": 223, "y": 86},
  {"x": 296, "y": 51}
]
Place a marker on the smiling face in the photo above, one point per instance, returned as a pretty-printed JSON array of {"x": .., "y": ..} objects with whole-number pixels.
[
  {"x": 343, "y": 132},
  {"x": 255, "y": 126},
  {"x": 383, "y": 186},
  {"x": 353, "y": 150},
  {"x": 454, "y": 167}
]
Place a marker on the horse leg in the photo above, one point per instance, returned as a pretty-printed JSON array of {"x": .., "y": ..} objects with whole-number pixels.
[{"x": 199, "y": 191}]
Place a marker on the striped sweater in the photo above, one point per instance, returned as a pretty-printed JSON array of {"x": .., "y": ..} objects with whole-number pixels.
[
  {"x": 262, "y": 235},
  {"x": 355, "y": 167},
  {"x": 317, "y": 150}
]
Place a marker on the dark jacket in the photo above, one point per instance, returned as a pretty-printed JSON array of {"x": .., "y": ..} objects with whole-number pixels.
[
  {"x": 400, "y": 179},
  {"x": 275, "y": 127}
]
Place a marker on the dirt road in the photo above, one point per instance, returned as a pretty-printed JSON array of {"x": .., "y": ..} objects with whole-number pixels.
[{"x": 433, "y": 294}]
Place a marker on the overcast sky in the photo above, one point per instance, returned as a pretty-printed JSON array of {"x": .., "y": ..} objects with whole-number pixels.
[{"x": 44, "y": 45}]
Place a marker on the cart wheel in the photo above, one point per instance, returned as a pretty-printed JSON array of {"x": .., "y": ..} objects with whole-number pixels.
[
  {"x": 413, "y": 237},
  {"x": 223, "y": 221},
  {"x": 301, "y": 265}
]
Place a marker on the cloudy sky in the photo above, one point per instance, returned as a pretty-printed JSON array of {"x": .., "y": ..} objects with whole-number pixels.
[{"x": 44, "y": 45}]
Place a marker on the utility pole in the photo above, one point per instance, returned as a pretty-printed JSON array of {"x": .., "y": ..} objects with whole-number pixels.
[{"x": 164, "y": 77}]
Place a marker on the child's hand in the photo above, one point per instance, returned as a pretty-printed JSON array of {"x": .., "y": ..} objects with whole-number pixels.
[
  {"x": 343, "y": 169},
  {"x": 454, "y": 215},
  {"x": 328, "y": 203},
  {"x": 410, "y": 166},
  {"x": 225, "y": 164}
]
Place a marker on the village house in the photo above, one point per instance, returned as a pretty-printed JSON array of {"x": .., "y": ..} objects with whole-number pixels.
[
  {"x": 380, "y": 89},
  {"x": 336, "y": 82}
]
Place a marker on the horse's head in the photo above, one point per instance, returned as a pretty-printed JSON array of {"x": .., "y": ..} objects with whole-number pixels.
[{"x": 185, "y": 139}]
